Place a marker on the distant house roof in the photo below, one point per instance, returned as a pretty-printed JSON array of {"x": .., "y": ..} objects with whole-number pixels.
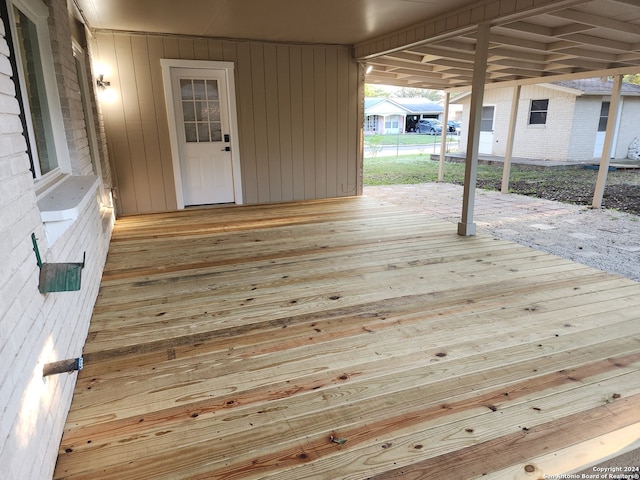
[
  {"x": 410, "y": 105},
  {"x": 371, "y": 102},
  {"x": 596, "y": 86},
  {"x": 581, "y": 87},
  {"x": 419, "y": 105}
]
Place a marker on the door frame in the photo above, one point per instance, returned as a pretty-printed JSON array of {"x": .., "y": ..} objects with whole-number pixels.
[
  {"x": 599, "y": 142},
  {"x": 228, "y": 69},
  {"x": 487, "y": 140}
]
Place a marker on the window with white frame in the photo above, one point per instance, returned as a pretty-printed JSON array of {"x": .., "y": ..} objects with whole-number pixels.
[
  {"x": 604, "y": 116},
  {"x": 392, "y": 122},
  {"x": 538, "y": 112},
  {"x": 34, "y": 78}
]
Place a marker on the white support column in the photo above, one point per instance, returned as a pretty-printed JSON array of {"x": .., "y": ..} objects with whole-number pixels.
[
  {"x": 445, "y": 131},
  {"x": 608, "y": 142},
  {"x": 466, "y": 226},
  {"x": 506, "y": 170}
]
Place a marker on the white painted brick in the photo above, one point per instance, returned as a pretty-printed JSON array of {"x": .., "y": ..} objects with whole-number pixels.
[
  {"x": 32, "y": 324},
  {"x": 9, "y": 104},
  {"x": 10, "y": 124},
  {"x": 5, "y": 66},
  {"x": 4, "y": 47},
  {"x": 7, "y": 86}
]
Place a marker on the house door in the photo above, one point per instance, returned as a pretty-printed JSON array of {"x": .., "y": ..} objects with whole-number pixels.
[
  {"x": 201, "y": 111},
  {"x": 486, "y": 130},
  {"x": 602, "y": 130}
]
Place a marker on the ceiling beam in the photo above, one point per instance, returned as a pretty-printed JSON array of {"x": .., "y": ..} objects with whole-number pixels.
[
  {"x": 391, "y": 62},
  {"x": 570, "y": 28},
  {"x": 591, "y": 54},
  {"x": 558, "y": 78},
  {"x": 502, "y": 40},
  {"x": 441, "y": 63},
  {"x": 526, "y": 27},
  {"x": 436, "y": 52},
  {"x": 599, "y": 42},
  {"x": 597, "y": 21}
]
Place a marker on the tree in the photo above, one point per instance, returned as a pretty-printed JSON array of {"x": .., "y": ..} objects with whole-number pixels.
[
  {"x": 377, "y": 91},
  {"x": 632, "y": 78},
  {"x": 386, "y": 91}
]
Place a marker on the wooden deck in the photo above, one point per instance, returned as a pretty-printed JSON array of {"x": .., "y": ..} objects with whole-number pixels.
[{"x": 347, "y": 339}]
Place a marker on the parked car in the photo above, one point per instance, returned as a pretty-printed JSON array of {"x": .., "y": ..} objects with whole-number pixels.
[
  {"x": 430, "y": 126},
  {"x": 454, "y": 127}
]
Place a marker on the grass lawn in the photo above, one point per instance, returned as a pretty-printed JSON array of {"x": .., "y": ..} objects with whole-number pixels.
[
  {"x": 408, "y": 169},
  {"x": 404, "y": 139}
]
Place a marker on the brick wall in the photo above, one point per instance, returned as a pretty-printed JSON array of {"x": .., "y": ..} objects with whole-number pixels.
[
  {"x": 35, "y": 328},
  {"x": 572, "y": 124},
  {"x": 548, "y": 141},
  {"x": 68, "y": 87},
  {"x": 629, "y": 126},
  {"x": 584, "y": 131}
]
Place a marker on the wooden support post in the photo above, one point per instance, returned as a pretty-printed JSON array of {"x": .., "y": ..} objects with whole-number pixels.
[
  {"x": 506, "y": 170},
  {"x": 445, "y": 131},
  {"x": 466, "y": 226},
  {"x": 608, "y": 142}
]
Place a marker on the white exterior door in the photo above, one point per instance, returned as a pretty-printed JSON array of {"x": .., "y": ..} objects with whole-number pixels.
[
  {"x": 485, "y": 146},
  {"x": 598, "y": 146},
  {"x": 202, "y": 125}
]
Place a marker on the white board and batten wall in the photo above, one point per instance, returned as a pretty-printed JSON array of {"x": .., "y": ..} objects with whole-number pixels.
[{"x": 298, "y": 116}]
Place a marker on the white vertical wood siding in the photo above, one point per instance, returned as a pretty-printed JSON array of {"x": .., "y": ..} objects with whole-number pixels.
[{"x": 297, "y": 115}]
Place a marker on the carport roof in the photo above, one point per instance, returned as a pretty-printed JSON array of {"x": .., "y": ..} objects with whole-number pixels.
[{"x": 542, "y": 41}]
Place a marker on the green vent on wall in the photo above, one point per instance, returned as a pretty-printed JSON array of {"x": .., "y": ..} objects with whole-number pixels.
[{"x": 58, "y": 277}]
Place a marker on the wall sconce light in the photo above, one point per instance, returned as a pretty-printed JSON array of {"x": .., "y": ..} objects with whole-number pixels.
[
  {"x": 368, "y": 70},
  {"x": 102, "y": 83}
]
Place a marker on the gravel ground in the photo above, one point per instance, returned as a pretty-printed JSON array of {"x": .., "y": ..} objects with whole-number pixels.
[{"x": 605, "y": 239}]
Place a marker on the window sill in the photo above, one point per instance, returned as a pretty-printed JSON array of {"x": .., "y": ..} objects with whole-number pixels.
[{"x": 62, "y": 204}]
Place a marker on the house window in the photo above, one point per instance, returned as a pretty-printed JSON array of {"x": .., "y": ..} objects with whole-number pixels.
[
  {"x": 604, "y": 116},
  {"x": 486, "y": 120},
  {"x": 538, "y": 112},
  {"x": 370, "y": 123},
  {"x": 392, "y": 122},
  {"x": 26, "y": 35}
]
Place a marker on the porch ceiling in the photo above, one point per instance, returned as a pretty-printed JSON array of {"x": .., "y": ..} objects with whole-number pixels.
[
  {"x": 344, "y": 22},
  {"x": 416, "y": 43}
]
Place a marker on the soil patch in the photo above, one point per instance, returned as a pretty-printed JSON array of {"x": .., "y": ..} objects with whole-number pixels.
[{"x": 622, "y": 191}]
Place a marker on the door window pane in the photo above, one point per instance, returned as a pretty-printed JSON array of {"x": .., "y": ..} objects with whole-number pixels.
[
  {"x": 203, "y": 132},
  {"x": 199, "y": 92},
  {"x": 186, "y": 89},
  {"x": 486, "y": 122},
  {"x": 201, "y": 110},
  {"x": 188, "y": 111},
  {"x": 190, "y": 132}
]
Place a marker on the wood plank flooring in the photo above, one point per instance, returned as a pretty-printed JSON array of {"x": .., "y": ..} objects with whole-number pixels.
[{"x": 347, "y": 339}]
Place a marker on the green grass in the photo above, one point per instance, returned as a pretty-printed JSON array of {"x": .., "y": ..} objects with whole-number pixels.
[
  {"x": 408, "y": 169},
  {"x": 405, "y": 139}
]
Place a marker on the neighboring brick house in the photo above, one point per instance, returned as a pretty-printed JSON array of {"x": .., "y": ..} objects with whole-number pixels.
[
  {"x": 562, "y": 121},
  {"x": 54, "y": 182}
]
